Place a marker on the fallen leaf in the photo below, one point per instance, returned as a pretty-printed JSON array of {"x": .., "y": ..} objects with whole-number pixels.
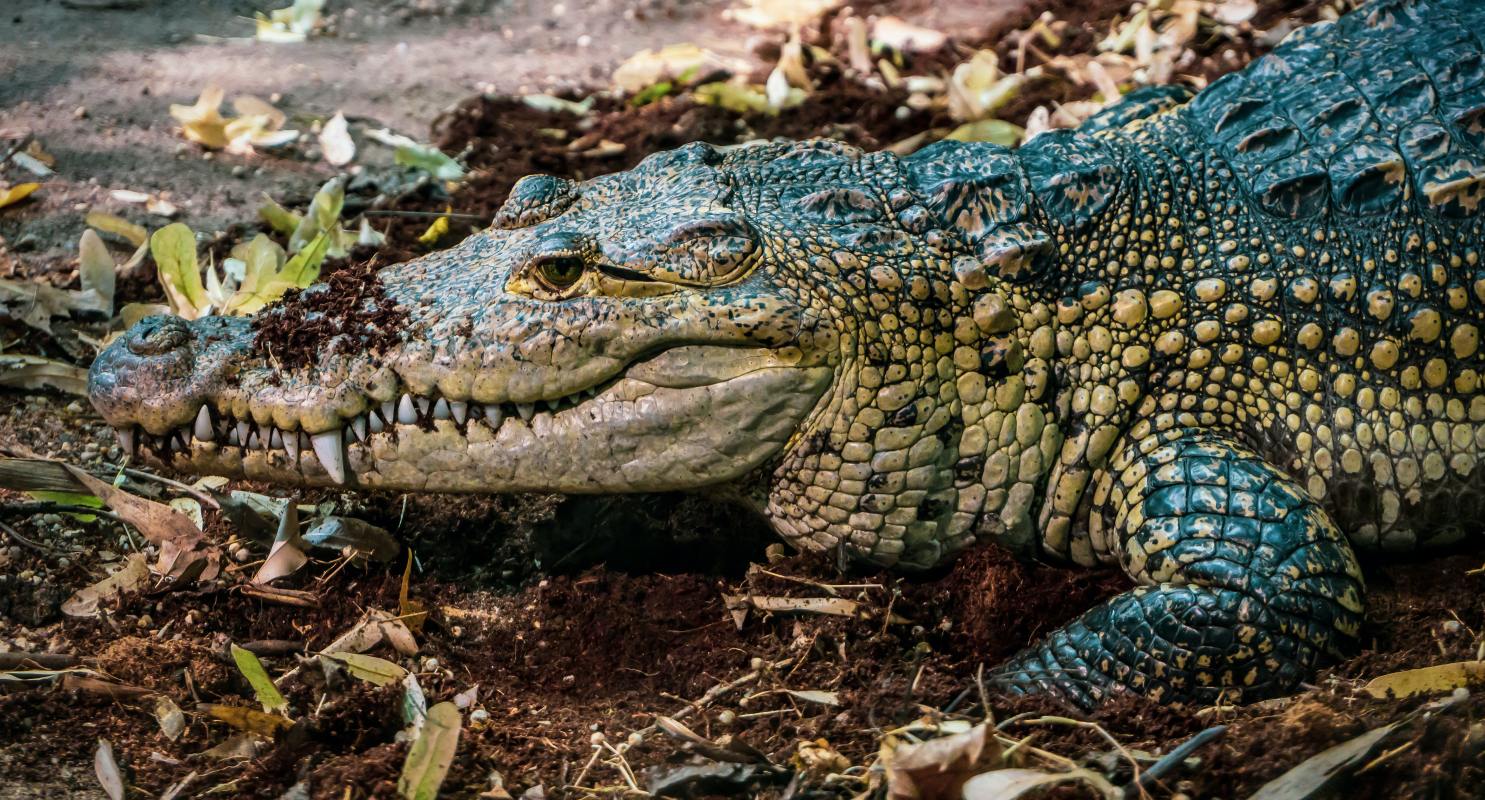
[
  {"x": 286, "y": 556},
  {"x": 1009, "y": 784},
  {"x": 238, "y": 746},
  {"x": 322, "y": 216},
  {"x": 107, "y": 770},
  {"x": 191, "y": 507},
  {"x": 95, "y": 268},
  {"x": 369, "y": 236},
  {"x": 35, "y": 372},
  {"x": 649, "y": 67},
  {"x": 435, "y": 231},
  {"x": 938, "y": 768},
  {"x": 977, "y": 88},
  {"x": 996, "y": 131},
  {"x": 280, "y": 219},
  {"x": 412, "y": 612},
  {"x": 289, "y": 25},
  {"x": 1427, "y": 680},
  {"x": 415, "y": 703},
  {"x": 336, "y": 142},
  {"x": 431, "y": 754},
  {"x": 257, "y": 677},
  {"x": 409, "y": 153},
  {"x": 202, "y": 122},
  {"x": 246, "y": 719},
  {"x": 17, "y": 193},
  {"x": 546, "y": 102},
  {"x": 118, "y": 226},
  {"x": 359, "y": 537},
  {"x": 779, "y": 13},
  {"x": 1318, "y": 773},
  {"x": 171, "y": 719},
  {"x": 373, "y": 670},
  {"x": 905, "y": 37},
  {"x": 739, "y": 99},
  {"x": 132, "y": 576},
  {"x": 815, "y": 696}
]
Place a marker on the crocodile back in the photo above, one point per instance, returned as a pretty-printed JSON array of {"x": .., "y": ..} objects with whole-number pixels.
[{"x": 1360, "y": 116}]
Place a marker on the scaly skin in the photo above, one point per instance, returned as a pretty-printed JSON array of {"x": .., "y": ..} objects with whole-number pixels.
[{"x": 1221, "y": 343}]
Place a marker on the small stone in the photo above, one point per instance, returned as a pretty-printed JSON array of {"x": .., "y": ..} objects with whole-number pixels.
[{"x": 479, "y": 715}]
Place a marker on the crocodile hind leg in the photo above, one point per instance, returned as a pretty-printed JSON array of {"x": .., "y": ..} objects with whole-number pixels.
[{"x": 1246, "y": 584}]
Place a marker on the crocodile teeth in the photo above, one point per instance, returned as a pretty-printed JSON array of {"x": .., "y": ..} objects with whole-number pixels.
[
  {"x": 358, "y": 428},
  {"x": 233, "y": 439},
  {"x": 203, "y": 428},
  {"x": 276, "y": 439},
  {"x": 423, "y": 405},
  {"x": 553, "y": 405},
  {"x": 441, "y": 409},
  {"x": 291, "y": 446},
  {"x": 407, "y": 414},
  {"x": 459, "y": 410},
  {"x": 389, "y": 411},
  {"x": 494, "y": 416},
  {"x": 251, "y": 442},
  {"x": 329, "y": 447},
  {"x": 126, "y": 440},
  {"x": 526, "y": 410},
  {"x": 242, "y": 432},
  {"x": 374, "y": 423}
]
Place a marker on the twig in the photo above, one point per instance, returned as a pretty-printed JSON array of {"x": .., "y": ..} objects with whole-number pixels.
[
  {"x": 1137, "y": 784},
  {"x": 21, "y": 540},
  {"x": 1169, "y": 761},
  {"x": 392, "y": 212},
  {"x": 200, "y": 496},
  {"x": 23, "y": 660}
]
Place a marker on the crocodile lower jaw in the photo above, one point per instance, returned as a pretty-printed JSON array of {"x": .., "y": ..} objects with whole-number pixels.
[{"x": 629, "y": 435}]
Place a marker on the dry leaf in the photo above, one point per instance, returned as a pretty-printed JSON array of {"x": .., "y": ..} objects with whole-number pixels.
[
  {"x": 172, "y": 720},
  {"x": 1009, "y": 784},
  {"x": 118, "y": 226},
  {"x": 1320, "y": 772},
  {"x": 107, "y": 770},
  {"x": 202, "y": 122},
  {"x": 779, "y": 13},
  {"x": 132, "y": 576},
  {"x": 336, "y": 142},
  {"x": 977, "y": 88},
  {"x": 938, "y": 768},
  {"x": 246, "y": 719},
  {"x": 905, "y": 37},
  {"x": 373, "y": 670},
  {"x": 649, "y": 67},
  {"x": 35, "y": 372},
  {"x": 1428, "y": 680}
]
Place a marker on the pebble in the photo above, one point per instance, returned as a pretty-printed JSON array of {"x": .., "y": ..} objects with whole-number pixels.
[{"x": 479, "y": 715}]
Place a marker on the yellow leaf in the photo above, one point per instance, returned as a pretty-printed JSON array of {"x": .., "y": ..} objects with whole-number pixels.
[
  {"x": 17, "y": 193},
  {"x": 733, "y": 97},
  {"x": 1428, "y": 680},
  {"x": 246, "y": 719},
  {"x": 997, "y": 131},
  {"x": 202, "y": 122},
  {"x": 435, "y": 231},
  {"x": 412, "y": 612},
  {"x": 95, "y": 268},
  {"x": 118, "y": 226},
  {"x": 280, "y": 219}
]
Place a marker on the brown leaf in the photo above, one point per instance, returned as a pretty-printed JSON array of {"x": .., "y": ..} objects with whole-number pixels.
[
  {"x": 246, "y": 719},
  {"x": 938, "y": 768}
]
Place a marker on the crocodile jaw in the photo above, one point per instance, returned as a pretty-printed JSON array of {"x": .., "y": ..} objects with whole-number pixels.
[{"x": 688, "y": 417}]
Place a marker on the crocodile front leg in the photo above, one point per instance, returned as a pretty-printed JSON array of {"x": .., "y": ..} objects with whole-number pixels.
[{"x": 1247, "y": 584}]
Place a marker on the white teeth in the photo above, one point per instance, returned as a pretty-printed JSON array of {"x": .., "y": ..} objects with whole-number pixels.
[
  {"x": 291, "y": 446},
  {"x": 389, "y": 412},
  {"x": 126, "y": 440},
  {"x": 358, "y": 428},
  {"x": 494, "y": 416},
  {"x": 233, "y": 439},
  {"x": 330, "y": 449},
  {"x": 375, "y": 424},
  {"x": 526, "y": 410},
  {"x": 441, "y": 409},
  {"x": 591, "y": 391},
  {"x": 459, "y": 410},
  {"x": 423, "y": 405},
  {"x": 242, "y": 432},
  {"x": 276, "y": 439},
  {"x": 406, "y": 413},
  {"x": 203, "y": 429},
  {"x": 553, "y": 405},
  {"x": 252, "y": 441}
]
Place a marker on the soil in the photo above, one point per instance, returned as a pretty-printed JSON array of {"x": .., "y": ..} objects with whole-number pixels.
[{"x": 582, "y": 619}]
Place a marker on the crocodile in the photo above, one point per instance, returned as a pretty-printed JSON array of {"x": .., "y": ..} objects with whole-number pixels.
[{"x": 1227, "y": 341}]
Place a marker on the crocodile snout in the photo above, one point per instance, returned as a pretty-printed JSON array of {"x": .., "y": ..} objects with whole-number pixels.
[{"x": 157, "y": 336}]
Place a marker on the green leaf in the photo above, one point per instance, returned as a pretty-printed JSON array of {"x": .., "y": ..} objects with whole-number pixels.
[
  {"x": 733, "y": 97},
  {"x": 257, "y": 677},
  {"x": 373, "y": 670},
  {"x": 432, "y": 754},
  {"x": 651, "y": 93},
  {"x": 323, "y": 214},
  {"x": 71, "y": 499},
  {"x": 304, "y": 268},
  {"x": 95, "y": 270},
  {"x": 429, "y": 159},
  {"x": 280, "y": 219},
  {"x": 174, "y": 249}
]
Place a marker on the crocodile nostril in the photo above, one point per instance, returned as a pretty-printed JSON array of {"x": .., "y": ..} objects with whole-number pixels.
[{"x": 155, "y": 336}]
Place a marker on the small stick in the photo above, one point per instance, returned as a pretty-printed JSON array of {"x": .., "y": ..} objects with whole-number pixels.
[
  {"x": 23, "y": 660},
  {"x": 21, "y": 540},
  {"x": 1182, "y": 751}
]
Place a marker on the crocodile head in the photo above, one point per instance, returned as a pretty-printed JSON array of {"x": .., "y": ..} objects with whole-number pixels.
[{"x": 803, "y": 315}]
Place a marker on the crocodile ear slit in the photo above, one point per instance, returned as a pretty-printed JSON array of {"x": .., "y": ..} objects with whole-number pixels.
[
  {"x": 1011, "y": 253},
  {"x": 535, "y": 199}
]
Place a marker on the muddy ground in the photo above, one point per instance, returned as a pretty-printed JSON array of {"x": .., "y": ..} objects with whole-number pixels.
[{"x": 579, "y": 620}]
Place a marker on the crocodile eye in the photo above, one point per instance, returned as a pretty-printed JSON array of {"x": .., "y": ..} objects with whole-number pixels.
[{"x": 559, "y": 272}]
